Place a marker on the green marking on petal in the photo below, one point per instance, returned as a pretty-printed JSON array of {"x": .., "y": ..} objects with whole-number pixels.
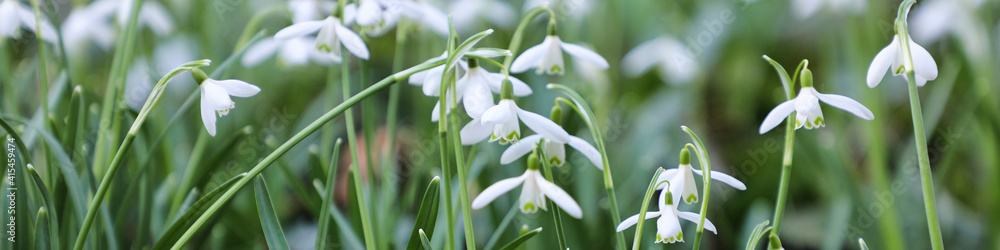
[
  {"x": 323, "y": 47},
  {"x": 530, "y": 207},
  {"x": 691, "y": 198}
]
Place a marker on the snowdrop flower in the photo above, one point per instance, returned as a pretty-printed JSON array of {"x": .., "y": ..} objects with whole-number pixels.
[
  {"x": 380, "y": 16},
  {"x": 15, "y": 15},
  {"x": 534, "y": 189},
  {"x": 924, "y": 67},
  {"x": 575, "y": 9},
  {"x": 555, "y": 152},
  {"x": 807, "y": 8},
  {"x": 501, "y": 122},
  {"x": 89, "y": 23},
  {"x": 294, "y": 51},
  {"x": 476, "y": 83},
  {"x": 215, "y": 97},
  {"x": 331, "y": 35},
  {"x": 467, "y": 12},
  {"x": 933, "y": 18},
  {"x": 682, "y": 183},
  {"x": 547, "y": 57},
  {"x": 668, "y": 226},
  {"x": 151, "y": 14},
  {"x": 306, "y": 10},
  {"x": 807, "y": 110},
  {"x": 672, "y": 60}
]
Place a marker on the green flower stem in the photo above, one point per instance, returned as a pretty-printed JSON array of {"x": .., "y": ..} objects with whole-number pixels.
[
  {"x": 389, "y": 154},
  {"x": 515, "y": 40},
  {"x": 323, "y": 228},
  {"x": 42, "y": 68},
  {"x": 443, "y": 146},
  {"x": 706, "y": 169},
  {"x": 151, "y": 101},
  {"x": 556, "y": 211},
  {"x": 927, "y": 183},
  {"x": 116, "y": 78},
  {"x": 463, "y": 191},
  {"x": 786, "y": 162},
  {"x": 609, "y": 186},
  {"x": 298, "y": 137},
  {"x": 366, "y": 224},
  {"x": 645, "y": 207}
]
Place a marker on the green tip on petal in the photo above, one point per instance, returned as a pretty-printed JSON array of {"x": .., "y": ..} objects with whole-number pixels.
[
  {"x": 685, "y": 156},
  {"x": 669, "y": 199},
  {"x": 556, "y": 114},
  {"x": 199, "y": 76},
  {"x": 691, "y": 199},
  {"x": 533, "y": 161},
  {"x": 807, "y": 78},
  {"x": 529, "y": 207}
]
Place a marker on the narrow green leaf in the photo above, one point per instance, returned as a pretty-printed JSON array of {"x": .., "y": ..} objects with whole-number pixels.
[
  {"x": 351, "y": 240},
  {"x": 47, "y": 198},
  {"x": 188, "y": 201},
  {"x": 268, "y": 218},
  {"x": 862, "y": 244},
  {"x": 645, "y": 206},
  {"x": 520, "y": 240},
  {"x": 427, "y": 215},
  {"x": 179, "y": 226},
  {"x": 757, "y": 233},
  {"x": 424, "y": 241},
  {"x": 43, "y": 230},
  {"x": 324, "y": 222}
]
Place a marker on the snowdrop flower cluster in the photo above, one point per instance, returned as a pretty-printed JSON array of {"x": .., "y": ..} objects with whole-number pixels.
[
  {"x": 501, "y": 122},
  {"x": 475, "y": 85},
  {"x": 15, "y": 15},
  {"x": 678, "y": 184},
  {"x": 534, "y": 189},
  {"x": 215, "y": 97},
  {"x": 807, "y": 109}
]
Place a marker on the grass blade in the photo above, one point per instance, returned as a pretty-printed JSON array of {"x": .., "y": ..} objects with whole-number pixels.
[
  {"x": 520, "y": 240},
  {"x": 331, "y": 176},
  {"x": 426, "y": 243},
  {"x": 427, "y": 215},
  {"x": 268, "y": 218},
  {"x": 181, "y": 224}
]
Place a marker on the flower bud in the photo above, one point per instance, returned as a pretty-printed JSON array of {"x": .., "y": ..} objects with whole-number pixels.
[
  {"x": 807, "y": 78},
  {"x": 533, "y": 161},
  {"x": 506, "y": 90},
  {"x": 556, "y": 115},
  {"x": 685, "y": 157},
  {"x": 199, "y": 76}
]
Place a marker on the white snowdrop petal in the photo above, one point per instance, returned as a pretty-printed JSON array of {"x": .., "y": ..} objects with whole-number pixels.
[
  {"x": 155, "y": 15},
  {"x": 299, "y": 29},
  {"x": 529, "y": 59},
  {"x": 543, "y": 126},
  {"x": 666, "y": 176},
  {"x": 520, "y": 88},
  {"x": 9, "y": 19},
  {"x": 587, "y": 150},
  {"x": 693, "y": 217},
  {"x": 238, "y": 88},
  {"x": 559, "y": 197},
  {"x": 881, "y": 63},
  {"x": 296, "y": 51},
  {"x": 207, "y": 114},
  {"x": 777, "y": 115},
  {"x": 500, "y": 113},
  {"x": 519, "y": 149},
  {"x": 724, "y": 178},
  {"x": 477, "y": 99},
  {"x": 352, "y": 42},
  {"x": 642, "y": 58},
  {"x": 585, "y": 54},
  {"x": 368, "y": 13},
  {"x": 847, "y": 104},
  {"x": 215, "y": 96},
  {"x": 632, "y": 220},
  {"x": 432, "y": 82},
  {"x": 493, "y": 191},
  {"x": 923, "y": 63},
  {"x": 475, "y": 132},
  {"x": 259, "y": 51}
]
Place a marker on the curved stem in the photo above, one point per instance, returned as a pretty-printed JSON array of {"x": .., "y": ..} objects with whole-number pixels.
[
  {"x": 298, "y": 137},
  {"x": 515, "y": 40},
  {"x": 786, "y": 173},
  {"x": 556, "y": 211},
  {"x": 706, "y": 169},
  {"x": 645, "y": 206}
]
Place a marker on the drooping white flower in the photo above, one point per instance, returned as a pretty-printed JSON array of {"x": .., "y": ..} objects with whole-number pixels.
[
  {"x": 469, "y": 12},
  {"x": 15, "y": 15},
  {"x": 668, "y": 226},
  {"x": 807, "y": 8},
  {"x": 379, "y": 16},
  {"x": 807, "y": 109},
  {"x": 534, "y": 189},
  {"x": 555, "y": 151},
  {"x": 682, "y": 183},
  {"x": 332, "y": 33},
  {"x": 924, "y": 67},
  {"x": 502, "y": 122},
  {"x": 294, "y": 51},
  {"x": 89, "y": 23},
  {"x": 151, "y": 14},
  {"x": 547, "y": 57},
  {"x": 475, "y": 83},
  {"x": 215, "y": 97},
  {"x": 673, "y": 61}
]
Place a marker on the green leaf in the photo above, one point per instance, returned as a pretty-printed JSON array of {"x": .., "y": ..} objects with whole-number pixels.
[
  {"x": 179, "y": 226},
  {"x": 268, "y": 218},
  {"x": 426, "y": 243},
  {"x": 756, "y": 234},
  {"x": 324, "y": 222},
  {"x": 43, "y": 229},
  {"x": 520, "y": 240},
  {"x": 862, "y": 244},
  {"x": 351, "y": 240},
  {"x": 52, "y": 227},
  {"x": 645, "y": 206},
  {"x": 427, "y": 215}
]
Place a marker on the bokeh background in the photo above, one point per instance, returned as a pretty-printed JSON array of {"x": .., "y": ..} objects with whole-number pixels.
[{"x": 852, "y": 179}]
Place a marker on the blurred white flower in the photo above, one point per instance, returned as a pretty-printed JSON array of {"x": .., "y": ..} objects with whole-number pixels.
[
  {"x": 89, "y": 23},
  {"x": 151, "y": 14},
  {"x": 294, "y": 51},
  {"x": 379, "y": 16},
  {"x": 807, "y": 109},
  {"x": 555, "y": 151},
  {"x": 469, "y": 12},
  {"x": 672, "y": 60},
  {"x": 15, "y": 15},
  {"x": 924, "y": 67},
  {"x": 807, "y": 8},
  {"x": 139, "y": 82},
  {"x": 547, "y": 57},
  {"x": 575, "y": 9},
  {"x": 932, "y": 19},
  {"x": 307, "y": 10},
  {"x": 331, "y": 35},
  {"x": 668, "y": 226},
  {"x": 682, "y": 180},
  {"x": 534, "y": 190},
  {"x": 215, "y": 99},
  {"x": 502, "y": 122}
]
